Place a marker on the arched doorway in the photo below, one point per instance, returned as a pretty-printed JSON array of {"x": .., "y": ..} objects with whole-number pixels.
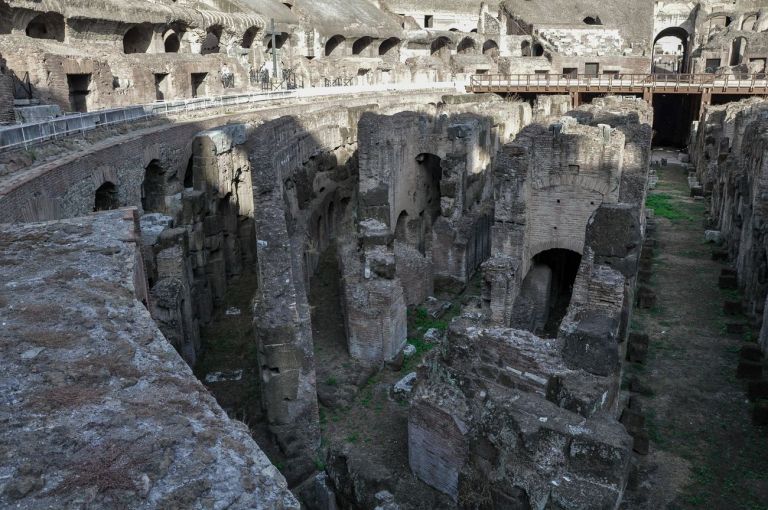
[
  {"x": 47, "y": 26},
  {"x": 361, "y": 45},
  {"x": 388, "y": 45},
  {"x": 490, "y": 48},
  {"x": 138, "y": 39},
  {"x": 212, "y": 40},
  {"x": 440, "y": 47},
  {"x": 546, "y": 291},
  {"x": 172, "y": 42},
  {"x": 467, "y": 46},
  {"x": 106, "y": 197},
  {"x": 153, "y": 188},
  {"x": 248, "y": 37},
  {"x": 670, "y": 51},
  {"x": 335, "y": 46},
  {"x": 525, "y": 48}
]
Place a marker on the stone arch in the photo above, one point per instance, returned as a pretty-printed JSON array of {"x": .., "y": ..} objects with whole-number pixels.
[
  {"x": 537, "y": 50},
  {"x": 153, "y": 188},
  {"x": 138, "y": 39},
  {"x": 49, "y": 25},
  {"x": 362, "y": 44},
  {"x": 440, "y": 46},
  {"x": 106, "y": 198},
  {"x": 212, "y": 42},
  {"x": 171, "y": 42},
  {"x": 525, "y": 48},
  {"x": 738, "y": 50},
  {"x": 718, "y": 21},
  {"x": 467, "y": 46},
  {"x": 563, "y": 267},
  {"x": 592, "y": 20},
  {"x": 249, "y": 37},
  {"x": 335, "y": 46},
  {"x": 678, "y": 33},
  {"x": 280, "y": 40},
  {"x": 750, "y": 23},
  {"x": 388, "y": 45},
  {"x": 490, "y": 48}
]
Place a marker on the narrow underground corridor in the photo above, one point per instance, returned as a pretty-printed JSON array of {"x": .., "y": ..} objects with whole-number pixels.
[{"x": 705, "y": 452}]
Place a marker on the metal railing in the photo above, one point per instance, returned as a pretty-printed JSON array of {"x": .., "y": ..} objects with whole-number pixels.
[
  {"x": 747, "y": 82},
  {"x": 30, "y": 134}
]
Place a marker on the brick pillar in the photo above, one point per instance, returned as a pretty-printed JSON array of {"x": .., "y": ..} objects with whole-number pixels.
[{"x": 6, "y": 100}]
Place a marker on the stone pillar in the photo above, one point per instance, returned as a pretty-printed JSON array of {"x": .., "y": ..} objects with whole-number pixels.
[
  {"x": 6, "y": 95},
  {"x": 282, "y": 324}
]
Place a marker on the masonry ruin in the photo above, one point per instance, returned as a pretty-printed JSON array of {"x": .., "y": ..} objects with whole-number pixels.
[{"x": 380, "y": 255}]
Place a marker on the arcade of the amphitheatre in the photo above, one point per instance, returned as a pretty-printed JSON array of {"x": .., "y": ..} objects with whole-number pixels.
[{"x": 383, "y": 254}]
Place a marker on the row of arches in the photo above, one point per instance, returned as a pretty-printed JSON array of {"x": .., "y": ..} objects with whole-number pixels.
[
  {"x": 139, "y": 38},
  {"x": 154, "y": 188},
  {"x": 336, "y": 45}
]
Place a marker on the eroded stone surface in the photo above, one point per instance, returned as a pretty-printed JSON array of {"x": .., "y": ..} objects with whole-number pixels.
[{"x": 98, "y": 408}]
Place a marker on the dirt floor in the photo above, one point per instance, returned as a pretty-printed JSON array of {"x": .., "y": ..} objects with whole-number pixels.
[
  {"x": 229, "y": 348},
  {"x": 365, "y": 429},
  {"x": 705, "y": 452}
]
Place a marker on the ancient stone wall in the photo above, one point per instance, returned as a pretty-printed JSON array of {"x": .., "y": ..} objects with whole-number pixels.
[
  {"x": 551, "y": 179},
  {"x": 489, "y": 418},
  {"x": 126, "y": 423},
  {"x": 424, "y": 214},
  {"x": 6, "y": 95},
  {"x": 729, "y": 157}
]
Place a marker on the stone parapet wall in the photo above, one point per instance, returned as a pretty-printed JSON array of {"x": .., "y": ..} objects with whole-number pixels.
[{"x": 126, "y": 422}]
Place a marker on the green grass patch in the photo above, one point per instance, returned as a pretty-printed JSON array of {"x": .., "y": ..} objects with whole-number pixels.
[
  {"x": 422, "y": 348},
  {"x": 423, "y": 321},
  {"x": 663, "y": 206}
]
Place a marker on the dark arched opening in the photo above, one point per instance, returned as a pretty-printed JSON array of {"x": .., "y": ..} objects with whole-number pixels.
[
  {"x": 467, "y": 46},
  {"x": 248, "y": 37},
  {"x": 440, "y": 45},
  {"x": 431, "y": 175},
  {"x": 525, "y": 49},
  {"x": 153, "y": 188},
  {"x": 106, "y": 197},
  {"x": 559, "y": 267},
  {"x": 537, "y": 50},
  {"x": 401, "y": 227},
  {"x": 172, "y": 42},
  {"x": 189, "y": 176},
  {"x": 592, "y": 20},
  {"x": 335, "y": 46},
  {"x": 388, "y": 45},
  {"x": 212, "y": 40},
  {"x": 138, "y": 39},
  {"x": 280, "y": 40},
  {"x": 490, "y": 48},
  {"x": 361, "y": 45},
  {"x": 670, "y": 51},
  {"x": 47, "y": 26}
]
